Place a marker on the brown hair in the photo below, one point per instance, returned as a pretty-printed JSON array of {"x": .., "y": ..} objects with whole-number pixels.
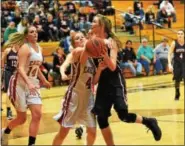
[{"x": 104, "y": 21}]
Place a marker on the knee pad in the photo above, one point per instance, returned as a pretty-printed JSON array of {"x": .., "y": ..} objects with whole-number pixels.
[
  {"x": 103, "y": 122},
  {"x": 126, "y": 117}
]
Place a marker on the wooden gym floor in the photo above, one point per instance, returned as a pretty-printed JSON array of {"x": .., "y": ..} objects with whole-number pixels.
[{"x": 147, "y": 96}]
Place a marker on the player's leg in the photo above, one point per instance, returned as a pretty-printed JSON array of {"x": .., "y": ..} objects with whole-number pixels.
[
  {"x": 36, "y": 113},
  {"x": 91, "y": 135},
  {"x": 60, "y": 136},
  {"x": 19, "y": 120},
  {"x": 105, "y": 129}
]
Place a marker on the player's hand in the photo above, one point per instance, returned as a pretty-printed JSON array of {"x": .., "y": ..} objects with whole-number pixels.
[
  {"x": 33, "y": 89},
  {"x": 170, "y": 67},
  {"x": 102, "y": 65},
  {"x": 47, "y": 84},
  {"x": 65, "y": 77}
]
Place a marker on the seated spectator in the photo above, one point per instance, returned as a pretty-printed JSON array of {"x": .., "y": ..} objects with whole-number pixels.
[
  {"x": 145, "y": 56},
  {"x": 58, "y": 60},
  {"x": 129, "y": 21},
  {"x": 34, "y": 6},
  {"x": 160, "y": 1},
  {"x": 162, "y": 18},
  {"x": 62, "y": 25},
  {"x": 22, "y": 25},
  {"x": 139, "y": 12},
  {"x": 84, "y": 24},
  {"x": 127, "y": 59},
  {"x": 54, "y": 7},
  {"x": 9, "y": 30},
  {"x": 149, "y": 15},
  {"x": 137, "y": 6},
  {"x": 70, "y": 6},
  {"x": 16, "y": 17},
  {"x": 161, "y": 54},
  {"x": 169, "y": 9},
  {"x": 31, "y": 15},
  {"x": 23, "y": 5},
  {"x": 75, "y": 24},
  {"x": 42, "y": 35},
  {"x": 52, "y": 29}
]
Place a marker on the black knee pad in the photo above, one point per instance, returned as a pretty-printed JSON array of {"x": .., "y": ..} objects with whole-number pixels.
[
  {"x": 126, "y": 117},
  {"x": 103, "y": 122}
]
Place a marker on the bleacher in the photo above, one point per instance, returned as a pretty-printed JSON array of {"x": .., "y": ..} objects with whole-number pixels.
[{"x": 147, "y": 32}]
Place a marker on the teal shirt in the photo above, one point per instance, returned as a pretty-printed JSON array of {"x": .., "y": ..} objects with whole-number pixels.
[
  {"x": 8, "y": 31},
  {"x": 146, "y": 51}
]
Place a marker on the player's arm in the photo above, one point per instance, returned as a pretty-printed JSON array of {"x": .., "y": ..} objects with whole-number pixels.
[
  {"x": 171, "y": 50},
  {"x": 112, "y": 60},
  {"x": 43, "y": 79},
  {"x": 66, "y": 63},
  {"x": 100, "y": 68},
  {"x": 5, "y": 53}
]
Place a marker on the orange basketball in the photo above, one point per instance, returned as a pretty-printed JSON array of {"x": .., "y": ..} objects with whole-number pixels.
[{"x": 95, "y": 47}]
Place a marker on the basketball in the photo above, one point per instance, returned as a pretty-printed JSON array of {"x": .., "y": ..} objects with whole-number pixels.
[{"x": 95, "y": 46}]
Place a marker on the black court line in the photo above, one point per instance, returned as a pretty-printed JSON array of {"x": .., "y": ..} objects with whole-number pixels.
[{"x": 170, "y": 121}]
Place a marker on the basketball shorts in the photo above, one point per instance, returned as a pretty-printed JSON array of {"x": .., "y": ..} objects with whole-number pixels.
[
  {"x": 179, "y": 71},
  {"x": 76, "y": 110},
  {"x": 7, "y": 76},
  {"x": 20, "y": 95}
]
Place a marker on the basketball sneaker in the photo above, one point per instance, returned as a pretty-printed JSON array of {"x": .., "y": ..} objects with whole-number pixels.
[
  {"x": 152, "y": 124},
  {"x": 177, "y": 96},
  {"x": 79, "y": 132},
  {"x": 4, "y": 137},
  {"x": 9, "y": 115}
]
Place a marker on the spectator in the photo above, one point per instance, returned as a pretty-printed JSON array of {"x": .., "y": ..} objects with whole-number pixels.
[
  {"x": 161, "y": 54},
  {"x": 128, "y": 59},
  {"x": 169, "y": 9},
  {"x": 31, "y": 15},
  {"x": 23, "y": 5},
  {"x": 34, "y": 6},
  {"x": 75, "y": 24},
  {"x": 9, "y": 30},
  {"x": 17, "y": 17},
  {"x": 42, "y": 35},
  {"x": 62, "y": 25},
  {"x": 137, "y": 6},
  {"x": 145, "y": 56},
  {"x": 58, "y": 60},
  {"x": 51, "y": 28},
  {"x": 149, "y": 15},
  {"x": 129, "y": 21},
  {"x": 93, "y": 13},
  {"x": 70, "y": 7},
  {"x": 22, "y": 25},
  {"x": 54, "y": 7},
  {"x": 162, "y": 17},
  {"x": 160, "y": 1}
]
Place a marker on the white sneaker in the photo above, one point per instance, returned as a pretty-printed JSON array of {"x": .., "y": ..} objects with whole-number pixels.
[{"x": 4, "y": 137}]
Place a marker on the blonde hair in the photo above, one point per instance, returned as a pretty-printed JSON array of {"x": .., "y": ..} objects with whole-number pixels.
[
  {"x": 107, "y": 24},
  {"x": 17, "y": 38}
]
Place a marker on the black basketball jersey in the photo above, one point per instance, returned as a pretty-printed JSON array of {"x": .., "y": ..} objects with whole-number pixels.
[
  {"x": 11, "y": 61},
  {"x": 179, "y": 52},
  {"x": 111, "y": 78}
]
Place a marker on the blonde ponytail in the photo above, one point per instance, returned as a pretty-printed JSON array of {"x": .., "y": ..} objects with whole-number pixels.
[{"x": 15, "y": 38}]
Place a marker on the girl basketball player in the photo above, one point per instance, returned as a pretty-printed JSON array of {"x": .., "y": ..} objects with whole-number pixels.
[
  {"x": 24, "y": 85},
  {"x": 178, "y": 50},
  {"x": 10, "y": 58},
  {"x": 78, "y": 101},
  {"x": 111, "y": 88}
]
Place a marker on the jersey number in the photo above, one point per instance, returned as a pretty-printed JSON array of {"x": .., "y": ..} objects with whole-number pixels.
[
  {"x": 14, "y": 63},
  {"x": 32, "y": 71}
]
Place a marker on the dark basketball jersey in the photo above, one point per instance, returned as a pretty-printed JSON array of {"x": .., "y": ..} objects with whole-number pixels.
[
  {"x": 11, "y": 61},
  {"x": 179, "y": 52}
]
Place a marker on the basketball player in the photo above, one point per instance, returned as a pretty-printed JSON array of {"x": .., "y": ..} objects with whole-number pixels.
[
  {"x": 111, "y": 88},
  {"x": 178, "y": 49},
  {"x": 78, "y": 101},
  {"x": 10, "y": 57},
  {"x": 24, "y": 85}
]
